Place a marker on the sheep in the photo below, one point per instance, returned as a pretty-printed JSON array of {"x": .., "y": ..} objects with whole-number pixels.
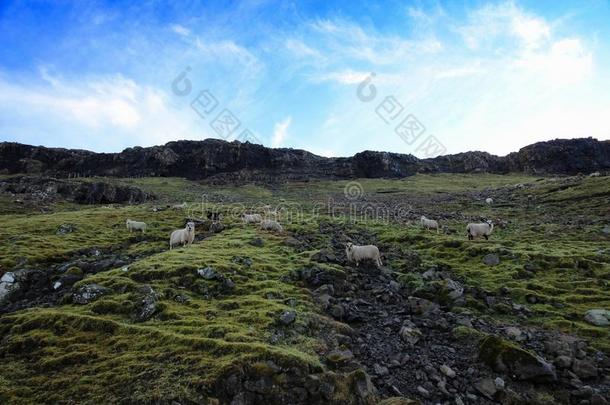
[
  {"x": 595, "y": 174},
  {"x": 483, "y": 229},
  {"x": 429, "y": 223},
  {"x": 179, "y": 206},
  {"x": 184, "y": 236},
  {"x": 359, "y": 253},
  {"x": 135, "y": 226},
  {"x": 489, "y": 200},
  {"x": 271, "y": 225},
  {"x": 252, "y": 218}
]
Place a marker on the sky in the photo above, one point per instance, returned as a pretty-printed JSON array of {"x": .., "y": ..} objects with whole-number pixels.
[{"x": 331, "y": 77}]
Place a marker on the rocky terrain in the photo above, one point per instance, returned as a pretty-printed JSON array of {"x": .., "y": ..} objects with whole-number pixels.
[
  {"x": 91, "y": 313},
  {"x": 238, "y": 162}
]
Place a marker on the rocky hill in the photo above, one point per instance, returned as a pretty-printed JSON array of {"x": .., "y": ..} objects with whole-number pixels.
[{"x": 233, "y": 161}]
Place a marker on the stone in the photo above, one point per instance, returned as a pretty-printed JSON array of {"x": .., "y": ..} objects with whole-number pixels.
[
  {"x": 423, "y": 392},
  {"x": 410, "y": 334},
  {"x": 563, "y": 361},
  {"x": 445, "y": 369},
  {"x": 57, "y": 285},
  {"x": 515, "y": 333},
  {"x": 64, "y": 229},
  {"x": 208, "y": 273},
  {"x": 380, "y": 370},
  {"x": 491, "y": 259},
  {"x": 8, "y": 277},
  {"x": 505, "y": 357},
  {"x": 257, "y": 242},
  {"x": 363, "y": 385},
  {"x": 487, "y": 387},
  {"x": 584, "y": 369},
  {"x": 147, "y": 305},
  {"x": 499, "y": 383},
  {"x": 324, "y": 256},
  {"x": 339, "y": 357},
  {"x": 420, "y": 306},
  {"x": 288, "y": 317},
  {"x": 228, "y": 284},
  {"x": 598, "y": 317},
  {"x": 89, "y": 293}
]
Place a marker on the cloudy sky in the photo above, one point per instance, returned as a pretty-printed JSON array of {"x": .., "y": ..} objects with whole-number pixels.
[{"x": 334, "y": 78}]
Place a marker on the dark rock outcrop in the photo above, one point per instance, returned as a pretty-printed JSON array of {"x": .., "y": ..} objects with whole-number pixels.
[{"x": 234, "y": 161}]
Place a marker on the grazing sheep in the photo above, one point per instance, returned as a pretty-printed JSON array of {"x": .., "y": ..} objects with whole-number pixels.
[
  {"x": 429, "y": 223},
  {"x": 356, "y": 254},
  {"x": 483, "y": 229},
  {"x": 271, "y": 225},
  {"x": 489, "y": 200},
  {"x": 183, "y": 237},
  {"x": 252, "y": 218},
  {"x": 135, "y": 226},
  {"x": 595, "y": 174},
  {"x": 179, "y": 206}
]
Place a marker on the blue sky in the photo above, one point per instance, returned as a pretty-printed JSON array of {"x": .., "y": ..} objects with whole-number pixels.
[{"x": 492, "y": 76}]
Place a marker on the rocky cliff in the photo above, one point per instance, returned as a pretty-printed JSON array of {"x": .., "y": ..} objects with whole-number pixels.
[{"x": 229, "y": 161}]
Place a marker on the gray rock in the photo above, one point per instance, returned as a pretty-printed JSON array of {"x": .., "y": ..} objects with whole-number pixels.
[
  {"x": 380, "y": 370},
  {"x": 487, "y": 387},
  {"x": 228, "y": 284},
  {"x": 8, "y": 277},
  {"x": 563, "y": 361},
  {"x": 491, "y": 259},
  {"x": 288, "y": 317},
  {"x": 339, "y": 357},
  {"x": 423, "y": 392},
  {"x": 606, "y": 230},
  {"x": 584, "y": 369},
  {"x": 499, "y": 383},
  {"x": 445, "y": 369},
  {"x": 147, "y": 305},
  {"x": 363, "y": 385},
  {"x": 410, "y": 334},
  {"x": 258, "y": 242},
  {"x": 420, "y": 306},
  {"x": 598, "y": 317},
  {"x": 506, "y": 357},
  {"x": 88, "y": 293},
  {"x": 208, "y": 273},
  {"x": 515, "y": 333},
  {"x": 64, "y": 229}
]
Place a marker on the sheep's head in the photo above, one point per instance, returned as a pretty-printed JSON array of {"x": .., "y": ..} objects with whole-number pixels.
[
  {"x": 190, "y": 226},
  {"x": 488, "y": 222},
  {"x": 349, "y": 246},
  {"x": 423, "y": 217}
]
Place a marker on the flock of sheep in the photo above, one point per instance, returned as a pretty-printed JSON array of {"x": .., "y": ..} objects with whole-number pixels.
[{"x": 354, "y": 253}]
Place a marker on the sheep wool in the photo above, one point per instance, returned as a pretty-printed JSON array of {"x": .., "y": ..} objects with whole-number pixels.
[
  {"x": 184, "y": 237},
  {"x": 483, "y": 229},
  {"x": 271, "y": 225},
  {"x": 135, "y": 226},
  {"x": 356, "y": 254},
  {"x": 429, "y": 223}
]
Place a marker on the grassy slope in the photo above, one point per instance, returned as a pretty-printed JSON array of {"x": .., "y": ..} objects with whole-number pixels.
[{"x": 97, "y": 353}]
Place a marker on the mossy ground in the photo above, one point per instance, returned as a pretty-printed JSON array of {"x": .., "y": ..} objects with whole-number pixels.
[{"x": 96, "y": 353}]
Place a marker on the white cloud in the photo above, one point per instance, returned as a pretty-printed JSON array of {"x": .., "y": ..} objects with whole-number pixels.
[
  {"x": 280, "y": 132},
  {"x": 180, "y": 30},
  {"x": 113, "y": 111}
]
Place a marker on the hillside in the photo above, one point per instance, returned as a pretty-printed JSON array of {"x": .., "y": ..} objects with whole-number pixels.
[{"x": 91, "y": 313}]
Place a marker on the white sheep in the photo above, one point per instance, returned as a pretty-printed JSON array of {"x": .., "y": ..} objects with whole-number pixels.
[
  {"x": 179, "y": 206},
  {"x": 483, "y": 229},
  {"x": 489, "y": 200},
  {"x": 135, "y": 226},
  {"x": 183, "y": 237},
  {"x": 271, "y": 225},
  {"x": 429, "y": 223},
  {"x": 595, "y": 174},
  {"x": 252, "y": 218},
  {"x": 356, "y": 254}
]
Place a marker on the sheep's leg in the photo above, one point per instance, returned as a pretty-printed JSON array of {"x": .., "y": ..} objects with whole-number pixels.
[{"x": 486, "y": 237}]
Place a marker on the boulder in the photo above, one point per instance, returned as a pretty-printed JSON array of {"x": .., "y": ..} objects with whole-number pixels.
[
  {"x": 505, "y": 357},
  {"x": 491, "y": 259},
  {"x": 598, "y": 317},
  {"x": 89, "y": 293}
]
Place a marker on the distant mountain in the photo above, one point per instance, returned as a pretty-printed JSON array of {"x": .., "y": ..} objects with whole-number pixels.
[{"x": 222, "y": 161}]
